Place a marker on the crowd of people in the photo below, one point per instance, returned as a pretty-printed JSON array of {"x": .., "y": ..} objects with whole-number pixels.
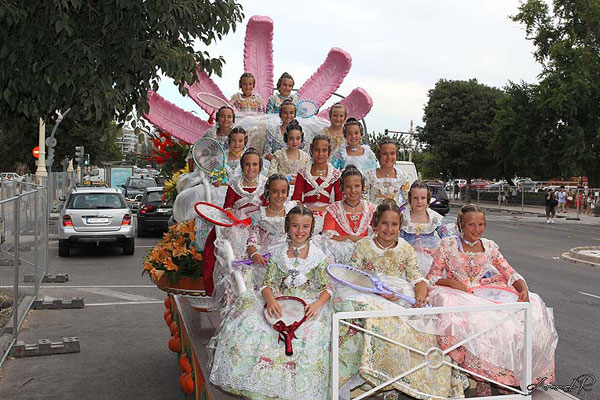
[{"x": 331, "y": 199}]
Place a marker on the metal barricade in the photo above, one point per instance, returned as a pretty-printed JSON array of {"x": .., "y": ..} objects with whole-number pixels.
[{"x": 24, "y": 214}]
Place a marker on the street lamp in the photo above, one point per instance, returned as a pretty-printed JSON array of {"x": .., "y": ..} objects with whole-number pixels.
[{"x": 410, "y": 141}]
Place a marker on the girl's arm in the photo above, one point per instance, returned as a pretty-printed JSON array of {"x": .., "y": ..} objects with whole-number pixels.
[
  {"x": 273, "y": 307},
  {"x": 325, "y": 288},
  {"x": 299, "y": 188},
  {"x": 313, "y": 309},
  {"x": 230, "y": 199},
  {"x": 437, "y": 268},
  {"x": 338, "y": 195}
]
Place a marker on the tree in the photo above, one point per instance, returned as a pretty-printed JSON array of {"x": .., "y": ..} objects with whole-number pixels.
[
  {"x": 567, "y": 40},
  {"x": 102, "y": 56},
  {"x": 458, "y": 128}
]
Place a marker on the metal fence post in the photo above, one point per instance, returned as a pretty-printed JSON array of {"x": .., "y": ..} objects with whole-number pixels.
[
  {"x": 578, "y": 200},
  {"x": 36, "y": 232},
  {"x": 16, "y": 233},
  {"x": 522, "y": 198},
  {"x": 477, "y": 197}
]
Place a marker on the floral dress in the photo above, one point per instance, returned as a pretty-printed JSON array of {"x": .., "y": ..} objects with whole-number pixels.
[
  {"x": 254, "y": 103},
  {"x": 249, "y": 359},
  {"x": 497, "y": 354},
  {"x": 364, "y": 162},
  {"x": 378, "y": 360},
  {"x": 380, "y": 189},
  {"x": 275, "y": 101},
  {"x": 281, "y": 164},
  {"x": 274, "y": 140}
]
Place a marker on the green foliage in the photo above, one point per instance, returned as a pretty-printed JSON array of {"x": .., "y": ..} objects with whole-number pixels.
[
  {"x": 103, "y": 56},
  {"x": 458, "y": 129},
  {"x": 376, "y": 138},
  {"x": 567, "y": 43}
]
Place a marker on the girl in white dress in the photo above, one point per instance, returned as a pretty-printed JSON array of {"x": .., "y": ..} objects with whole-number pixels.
[
  {"x": 387, "y": 181},
  {"x": 361, "y": 156}
]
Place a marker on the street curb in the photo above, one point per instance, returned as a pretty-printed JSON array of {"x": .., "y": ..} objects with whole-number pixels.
[{"x": 567, "y": 257}]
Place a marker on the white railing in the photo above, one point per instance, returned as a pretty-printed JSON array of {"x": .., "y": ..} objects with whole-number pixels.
[{"x": 436, "y": 362}]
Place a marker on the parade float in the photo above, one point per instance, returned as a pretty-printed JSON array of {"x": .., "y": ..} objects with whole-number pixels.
[{"x": 174, "y": 265}]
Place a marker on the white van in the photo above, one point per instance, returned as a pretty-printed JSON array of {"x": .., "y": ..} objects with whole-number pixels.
[
  {"x": 96, "y": 177},
  {"x": 409, "y": 168}
]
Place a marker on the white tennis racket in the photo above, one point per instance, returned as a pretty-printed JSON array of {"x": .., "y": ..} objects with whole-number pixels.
[
  {"x": 306, "y": 108},
  {"x": 212, "y": 101},
  {"x": 208, "y": 154}
]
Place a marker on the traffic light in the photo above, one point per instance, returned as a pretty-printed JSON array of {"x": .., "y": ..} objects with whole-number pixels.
[
  {"x": 86, "y": 160},
  {"x": 79, "y": 150}
]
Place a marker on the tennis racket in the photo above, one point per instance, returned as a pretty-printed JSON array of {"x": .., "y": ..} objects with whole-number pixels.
[
  {"x": 212, "y": 101},
  {"x": 306, "y": 108},
  {"x": 363, "y": 281},
  {"x": 294, "y": 315},
  {"x": 208, "y": 154},
  {"x": 496, "y": 294},
  {"x": 249, "y": 261},
  {"x": 218, "y": 215}
]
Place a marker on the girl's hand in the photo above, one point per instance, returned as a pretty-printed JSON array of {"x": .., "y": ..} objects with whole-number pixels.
[
  {"x": 356, "y": 238},
  {"x": 293, "y": 181},
  {"x": 458, "y": 285},
  {"x": 390, "y": 297},
  {"x": 269, "y": 157},
  {"x": 524, "y": 296},
  {"x": 312, "y": 310},
  {"x": 421, "y": 294},
  {"x": 274, "y": 309},
  {"x": 522, "y": 289},
  {"x": 258, "y": 259}
]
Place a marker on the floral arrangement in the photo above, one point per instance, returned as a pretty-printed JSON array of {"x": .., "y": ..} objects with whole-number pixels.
[
  {"x": 170, "y": 154},
  {"x": 175, "y": 256},
  {"x": 219, "y": 175},
  {"x": 170, "y": 185}
]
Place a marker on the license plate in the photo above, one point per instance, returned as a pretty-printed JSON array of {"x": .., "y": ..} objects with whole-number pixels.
[
  {"x": 94, "y": 220},
  {"x": 163, "y": 210}
]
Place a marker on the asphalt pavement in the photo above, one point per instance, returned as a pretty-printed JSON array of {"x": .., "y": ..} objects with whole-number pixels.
[{"x": 123, "y": 336}]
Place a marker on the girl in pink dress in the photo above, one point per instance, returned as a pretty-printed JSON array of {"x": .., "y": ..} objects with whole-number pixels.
[{"x": 462, "y": 263}]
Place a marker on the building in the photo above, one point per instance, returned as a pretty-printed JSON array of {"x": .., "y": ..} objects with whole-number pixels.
[{"x": 128, "y": 143}]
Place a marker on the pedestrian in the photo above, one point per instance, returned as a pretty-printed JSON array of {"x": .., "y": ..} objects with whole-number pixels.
[
  {"x": 569, "y": 201},
  {"x": 562, "y": 199},
  {"x": 456, "y": 190},
  {"x": 589, "y": 200},
  {"x": 551, "y": 203}
]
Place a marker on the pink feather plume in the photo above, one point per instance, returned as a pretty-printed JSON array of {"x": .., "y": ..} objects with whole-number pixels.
[
  {"x": 258, "y": 54},
  {"x": 358, "y": 103},
  {"x": 168, "y": 117},
  {"x": 205, "y": 85}
]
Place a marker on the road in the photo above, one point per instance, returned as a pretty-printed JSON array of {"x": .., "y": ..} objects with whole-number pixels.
[{"x": 123, "y": 336}]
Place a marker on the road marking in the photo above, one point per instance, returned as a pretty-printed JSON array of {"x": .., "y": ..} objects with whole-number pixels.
[
  {"x": 122, "y": 303},
  {"x": 596, "y": 239},
  {"x": 591, "y": 295},
  {"x": 118, "y": 295},
  {"x": 508, "y": 226},
  {"x": 143, "y": 247}
]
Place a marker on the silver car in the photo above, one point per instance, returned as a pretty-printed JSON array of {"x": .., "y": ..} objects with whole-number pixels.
[{"x": 97, "y": 216}]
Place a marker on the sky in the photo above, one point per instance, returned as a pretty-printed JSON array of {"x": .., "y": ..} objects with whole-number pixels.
[{"x": 399, "y": 49}]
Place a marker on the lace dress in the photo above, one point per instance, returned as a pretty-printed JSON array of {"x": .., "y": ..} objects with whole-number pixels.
[
  {"x": 364, "y": 162},
  {"x": 249, "y": 359},
  {"x": 275, "y": 101},
  {"x": 254, "y": 103},
  {"x": 497, "y": 354},
  {"x": 281, "y": 164},
  {"x": 378, "y": 360},
  {"x": 337, "y": 141},
  {"x": 380, "y": 189}
]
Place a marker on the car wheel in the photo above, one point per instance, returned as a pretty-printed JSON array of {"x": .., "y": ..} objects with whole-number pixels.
[
  {"x": 129, "y": 247},
  {"x": 63, "y": 249}
]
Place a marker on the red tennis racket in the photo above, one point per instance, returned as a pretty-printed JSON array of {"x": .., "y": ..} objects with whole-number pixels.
[
  {"x": 294, "y": 315},
  {"x": 218, "y": 215}
]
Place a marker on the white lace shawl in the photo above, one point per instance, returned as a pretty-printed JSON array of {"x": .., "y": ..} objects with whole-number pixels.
[
  {"x": 296, "y": 269},
  {"x": 364, "y": 162},
  {"x": 435, "y": 220},
  {"x": 247, "y": 197},
  {"x": 380, "y": 189},
  {"x": 333, "y": 174}
]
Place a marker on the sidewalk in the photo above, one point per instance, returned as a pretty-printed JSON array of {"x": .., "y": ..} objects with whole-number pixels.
[{"x": 530, "y": 210}]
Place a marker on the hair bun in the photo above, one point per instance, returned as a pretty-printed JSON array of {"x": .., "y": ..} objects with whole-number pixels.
[
  {"x": 390, "y": 201},
  {"x": 351, "y": 167},
  {"x": 351, "y": 119}
]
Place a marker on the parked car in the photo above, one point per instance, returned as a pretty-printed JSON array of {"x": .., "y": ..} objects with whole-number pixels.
[
  {"x": 9, "y": 178},
  {"x": 135, "y": 185},
  {"x": 479, "y": 183},
  {"x": 153, "y": 213},
  {"x": 95, "y": 215},
  {"x": 442, "y": 206},
  {"x": 494, "y": 187}
]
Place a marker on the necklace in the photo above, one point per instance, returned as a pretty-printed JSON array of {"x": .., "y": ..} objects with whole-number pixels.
[
  {"x": 273, "y": 211},
  {"x": 376, "y": 240},
  {"x": 320, "y": 171},
  {"x": 387, "y": 174},
  {"x": 470, "y": 244},
  {"x": 250, "y": 183},
  {"x": 353, "y": 207},
  {"x": 236, "y": 154},
  {"x": 296, "y": 250},
  {"x": 353, "y": 149}
]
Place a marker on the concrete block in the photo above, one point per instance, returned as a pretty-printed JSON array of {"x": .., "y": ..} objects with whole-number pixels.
[
  {"x": 57, "y": 304},
  {"x": 48, "y": 278},
  {"x": 45, "y": 347}
]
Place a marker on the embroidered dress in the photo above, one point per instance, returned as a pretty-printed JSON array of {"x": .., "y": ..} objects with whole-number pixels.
[
  {"x": 378, "y": 360},
  {"x": 281, "y": 164},
  {"x": 317, "y": 191},
  {"x": 497, "y": 354},
  {"x": 364, "y": 162},
  {"x": 339, "y": 223},
  {"x": 275, "y": 101},
  {"x": 424, "y": 237},
  {"x": 337, "y": 141},
  {"x": 249, "y": 359},
  {"x": 222, "y": 139},
  {"x": 394, "y": 188},
  {"x": 274, "y": 140},
  {"x": 254, "y": 103}
]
